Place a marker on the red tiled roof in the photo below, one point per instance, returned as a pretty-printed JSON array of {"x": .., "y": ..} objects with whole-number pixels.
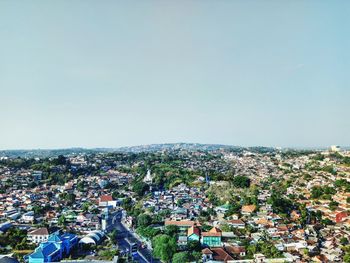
[
  {"x": 248, "y": 208},
  {"x": 236, "y": 222},
  {"x": 207, "y": 251},
  {"x": 341, "y": 216},
  {"x": 220, "y": 254},
  {"x": 234, "y": 249},
  {"x": 106, "y": 198}
]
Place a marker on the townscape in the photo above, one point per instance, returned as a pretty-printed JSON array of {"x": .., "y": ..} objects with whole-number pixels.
[
  {"x": 175, "y": 203},
  {"x": 179, "y": 131}
]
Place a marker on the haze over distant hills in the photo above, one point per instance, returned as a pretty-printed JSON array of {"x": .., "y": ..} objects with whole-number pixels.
[{"x": 142, "y": 148}]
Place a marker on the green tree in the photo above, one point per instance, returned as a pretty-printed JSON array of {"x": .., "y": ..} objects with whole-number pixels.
[
  {"x": 333, "y": 205},
  {"x": 194, "y": 245},
  {"x": 165, "y": 213},
  {"x": 346, "y": 258},
  {"x": 348, "y": 199},
  {"x": 171, "y": 230},
  {"x": 164, "y": 247},
  {"x": 148, "y": 232},
  {"x": 144, "y": 220},
  {"x": 266, "y": 248},
  {"x": 234, "y": 208},
  {"x": 180, "y": 257},
  {"x": 316, "y": 192},
  {"x": 140, "y": 188},
  {"x": 60, "y": 160},
  {"x": 108, "y": 254},
  {"x": 241, "y": 181},
  {"x": 196, "y": 256},
  {"x": 113, "y": 236},
  {"x": 16, "y": 238},
  {"x": 280, "y": 204},
  {"x": 344, "y": 241},
  {"x": 85, "y": 207},
  {"x": 127, "y": 204},
  {"x": 61, "y": 220}
]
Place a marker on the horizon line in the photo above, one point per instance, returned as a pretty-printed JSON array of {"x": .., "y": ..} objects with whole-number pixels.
[{"x": 154, "y": 144}]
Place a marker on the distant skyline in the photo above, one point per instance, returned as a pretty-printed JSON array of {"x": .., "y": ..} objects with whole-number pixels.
[{"x": 123, "y": 73}]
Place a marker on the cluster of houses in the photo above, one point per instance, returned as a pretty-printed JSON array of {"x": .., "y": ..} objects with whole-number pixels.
[
  {"x": 28, "y": 198},
  {"x": 193, "y": 200},
  {"x": 287, "y": 235}
]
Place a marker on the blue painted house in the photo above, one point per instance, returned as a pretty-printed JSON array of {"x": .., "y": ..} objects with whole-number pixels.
[
  {"x": 212, "y": 238},
  {"x": 54, "y": 249}
]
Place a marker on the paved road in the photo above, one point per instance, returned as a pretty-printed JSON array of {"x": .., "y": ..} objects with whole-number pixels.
[{"x": 143, "y": 255}]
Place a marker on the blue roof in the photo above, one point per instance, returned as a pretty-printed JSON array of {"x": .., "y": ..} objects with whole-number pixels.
[
  {"x": 68, "y": 236},
  {"x": 37, "y": 254},
  {"x": 54, "y": 237},
  {"x": 52, "y": 245},
  {"x": 50, "y": 248},
  {"x": 45, "y": 250}
]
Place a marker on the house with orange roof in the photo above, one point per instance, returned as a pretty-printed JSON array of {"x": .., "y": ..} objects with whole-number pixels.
[
  {"x": 264, "y": 222},
  {"x": 340, "y": 217},
  {"x": 294, "y": 215},
  {"x": 237, "y": 251},
  {"x": 216, "y": 254},
  {"x": 107, "y": 200},
  {"x": 248, "y": 209},
  {"x": 182, "y": 224}
]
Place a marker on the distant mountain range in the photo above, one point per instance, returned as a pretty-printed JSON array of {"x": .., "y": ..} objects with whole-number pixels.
[
  {"x": 42, "y": 153},
  {"x": 189, "y": 147}
]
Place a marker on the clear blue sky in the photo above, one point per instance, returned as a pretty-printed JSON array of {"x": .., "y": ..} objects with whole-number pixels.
[{"x": 117, "y": 73}]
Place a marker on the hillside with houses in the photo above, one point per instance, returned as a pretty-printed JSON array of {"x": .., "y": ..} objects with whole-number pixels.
[{"x": 174, "y": 204}]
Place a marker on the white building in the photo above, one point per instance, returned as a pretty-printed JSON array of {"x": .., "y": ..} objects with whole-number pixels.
[
  {"x": 38, "y": 235},
  {"x": 28, "y": 217},
  {"x": 148, "y": 178},
  {"x": 335, "y": 148}
]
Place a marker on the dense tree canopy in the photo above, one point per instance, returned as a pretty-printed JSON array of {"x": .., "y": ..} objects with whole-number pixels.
[
  {"x": 140, "y": 188},
  {"x": 15, "y": 238},
  {"x": 241, "y": 181},
  {"x": 164, "y": 247},
  {"x": 144, "y": 220},
  {"x": 181, "y": 257}
]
